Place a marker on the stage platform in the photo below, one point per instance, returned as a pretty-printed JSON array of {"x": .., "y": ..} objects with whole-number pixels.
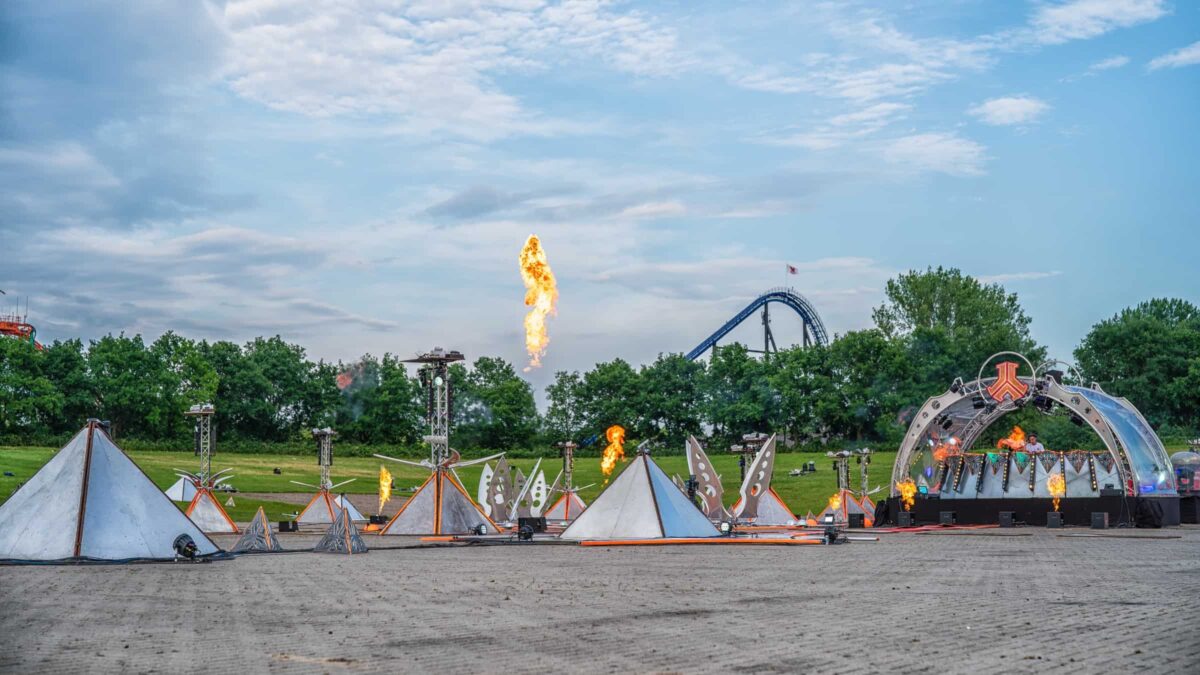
[{"x": 1032, "y": 511}]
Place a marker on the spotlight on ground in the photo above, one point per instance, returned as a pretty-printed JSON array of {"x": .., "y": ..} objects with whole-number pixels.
[{"x": 184, "y": 547}]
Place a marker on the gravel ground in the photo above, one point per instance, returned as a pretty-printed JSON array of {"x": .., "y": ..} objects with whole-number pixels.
[{"x": 1020, "y": 600}]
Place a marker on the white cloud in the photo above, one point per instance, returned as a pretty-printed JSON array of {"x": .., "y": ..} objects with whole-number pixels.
[
  {"x": 938, "y": 152},
  {"x": 1185, "y": 56},
  {"x": 1086, "y": 19},
  {"x": 1009, "y": 110},
  {"x": 425, "y": 66},
  {"x": 1110, "y": 63},
  {"x": 650, "y": 210}
]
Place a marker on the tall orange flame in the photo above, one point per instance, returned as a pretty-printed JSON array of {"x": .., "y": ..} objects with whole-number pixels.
[
  {"x": 1057, "y": 487},
  {"x": 615, "y": 450},
  {"x": 1015, "y": 440},
  {"x": 908, "y": 493},
  {"x": 541, "y": 294},
  {"x": 385, "y": 488}
]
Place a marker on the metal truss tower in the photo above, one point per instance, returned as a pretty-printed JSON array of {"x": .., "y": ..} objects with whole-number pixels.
[
  {"x": 435, "y": 376},
  {"x": 324, "y": 438},
  {"x": 203, "y": 412}
]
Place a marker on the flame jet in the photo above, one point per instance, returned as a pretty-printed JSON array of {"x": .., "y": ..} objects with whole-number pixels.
[
  {"x": 615, "y": 450},
  {"x": 541, "y": 294}
]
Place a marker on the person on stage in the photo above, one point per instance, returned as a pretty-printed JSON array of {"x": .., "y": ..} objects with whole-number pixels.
[{"x": 1033, "y": 447}]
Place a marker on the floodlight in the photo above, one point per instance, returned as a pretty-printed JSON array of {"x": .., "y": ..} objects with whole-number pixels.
[
  {"x": 184, "y": 547},
  {"x": 481, "y": 529},
  {"x": 726, "y": 527}
]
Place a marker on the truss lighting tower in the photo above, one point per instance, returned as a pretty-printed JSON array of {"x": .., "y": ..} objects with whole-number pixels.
[
  {"x": 568, "y": 457},
  {"x": 324, "y": 438},
  {"x": 203, "y": 412},
  {"x": 435, "y": 375}
]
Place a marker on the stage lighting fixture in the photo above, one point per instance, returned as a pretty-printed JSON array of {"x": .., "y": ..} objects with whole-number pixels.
[
  {"x": 947, "y": 423},
  {"x": 831, "y": 535},
  {"x": 978, "y": 402},
  {"x": 481, "y": 529},
  {"x": 525, "y": 533},
  {"x": 184, "y": 547},
  {"x": 957, "y": 385},
  {"x": 726, "y": 527},
  {"x": 1076, "y": 420}
]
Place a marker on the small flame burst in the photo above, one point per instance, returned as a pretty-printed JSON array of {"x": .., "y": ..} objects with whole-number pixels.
[
  {"x": 615, "y": 451},
  {"x": 944, "y": 450},
  {"x": 835, "y": 501},
  {"x": 908, "y": 493},
  {"x": 541, "y": 294},
  {"x": 385, "y": 488},
  {"x": 1015, "y": 440},
  {"x": 1057, "y": 487}
]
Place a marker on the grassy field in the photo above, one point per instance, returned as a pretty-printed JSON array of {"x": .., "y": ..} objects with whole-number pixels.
[{"x": 254, "y": 474}]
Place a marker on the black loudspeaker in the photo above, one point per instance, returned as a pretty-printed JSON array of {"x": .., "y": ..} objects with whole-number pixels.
[
  {"x": 946, "y": 517},
  {"x": 905, "y": 519},
  {"x": 858, "y": 520},
  {"x": 289, "y": 526},
  {"x": 1099, "y": 520},
  {"x": 1054, "y": 519},
  {"x": 378, "y": 520},
  {"x": 1007, "y": 519},
  {"x": 535, "y": 524},
  {"x": 1108, "y": 491}
]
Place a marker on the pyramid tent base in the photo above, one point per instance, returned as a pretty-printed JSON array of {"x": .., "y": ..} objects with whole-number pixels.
[
  {"x": 209, "y": 515},
  {"x": 320, "y": 510},
  {"x": 343, "y": 503},
  {"x": 439, "y": 506}
]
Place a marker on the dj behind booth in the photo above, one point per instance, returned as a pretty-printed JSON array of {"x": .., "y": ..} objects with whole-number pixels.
[{"x": 939, "y": 475}]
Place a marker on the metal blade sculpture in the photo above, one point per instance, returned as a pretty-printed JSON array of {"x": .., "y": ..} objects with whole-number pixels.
[
  {"x": 710, "y": 491},
  {"x": 757, "y": 482}
]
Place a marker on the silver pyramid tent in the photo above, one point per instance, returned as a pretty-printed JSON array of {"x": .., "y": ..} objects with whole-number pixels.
[
  {"x": 439, "y": 506},
  {"x": 641, "y": 503},
  {"x": 341, "y": 537},
  {"x": 208, "y": 513},
  {"x": 90, "y": 501},
  {"x": 342, "y": 502},
  {"x": 183, "y": 490},
  {"x": 568, "y": 507},
  {"x": 258, "y": 536}
]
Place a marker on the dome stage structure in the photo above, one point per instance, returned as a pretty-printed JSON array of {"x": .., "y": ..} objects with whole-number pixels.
[{"x": 937, "y": 460}]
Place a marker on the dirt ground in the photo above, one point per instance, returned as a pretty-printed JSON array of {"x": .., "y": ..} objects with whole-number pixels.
[{"x": 1023, "y": 600}]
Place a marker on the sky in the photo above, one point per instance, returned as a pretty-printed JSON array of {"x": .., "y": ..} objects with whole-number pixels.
[{"x": 359, "y": 176}]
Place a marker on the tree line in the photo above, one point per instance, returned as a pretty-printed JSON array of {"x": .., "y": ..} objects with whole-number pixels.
[{"x": 934, "y": 325}]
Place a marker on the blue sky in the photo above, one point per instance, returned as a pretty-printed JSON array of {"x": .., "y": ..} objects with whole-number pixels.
[{"x": 360, "y": 176}]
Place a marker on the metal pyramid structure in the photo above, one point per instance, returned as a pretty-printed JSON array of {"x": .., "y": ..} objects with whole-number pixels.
[
  {"x": 846, "y": 503},
  {"x": 323, "y": 508},
  {"x": 258, "y": 537},
  {"x": 90, "y": 501},
  {"x": 341, "y": 537},
  {"x": 439, "y": 506},
  {"x": 641, "y": 503},
  {"x": 342, "y": 502},
  {"x": 568, "y": 507},
  {"x": 772, "y": 510},
  {"x": 183, "y": 490},
  {"x": 208, "y": 513}
]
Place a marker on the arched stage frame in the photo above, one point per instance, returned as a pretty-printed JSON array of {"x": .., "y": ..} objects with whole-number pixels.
[{"x": 1140, "y": 467}]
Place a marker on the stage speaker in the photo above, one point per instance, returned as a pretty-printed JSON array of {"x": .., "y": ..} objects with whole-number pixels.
[
  {"x": 289, "y": 526},
  {"x": 1054, "y": 519},
  {"x": 858, "y": 520},
  {"x": 946, "y": 517},
  {"x": 1007, "y": 518},
  {"x": 378, "y": 520},
  {"x": 1111, "y": 492},
  {"x": 905, "y": 519},
  {"x": 535, "y": 524},
  {"x": 1099, "y": 520}
]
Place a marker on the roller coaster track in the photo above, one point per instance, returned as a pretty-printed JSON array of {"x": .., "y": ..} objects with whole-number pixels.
[{"x": 814, "y": 328}]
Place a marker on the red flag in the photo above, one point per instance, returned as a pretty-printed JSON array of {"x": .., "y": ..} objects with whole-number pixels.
[{"x": 792, "y": 269}]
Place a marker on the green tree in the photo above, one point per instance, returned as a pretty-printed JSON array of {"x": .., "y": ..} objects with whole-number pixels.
[
  {"x": 671, "y": 399},
  {"x": 65, "y": 365},
  {"x": 1149, "y": 354},
  {"x": 951, "y": 323},
  {"x": 608, "y": 395},
  {"x": 740, "y": 397},
  {"x": 564, "y": 411},
  {"x": 124, "y": 373},
  {"x": 29, "y": 401},
  {"x": 494, "y": 407}
]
